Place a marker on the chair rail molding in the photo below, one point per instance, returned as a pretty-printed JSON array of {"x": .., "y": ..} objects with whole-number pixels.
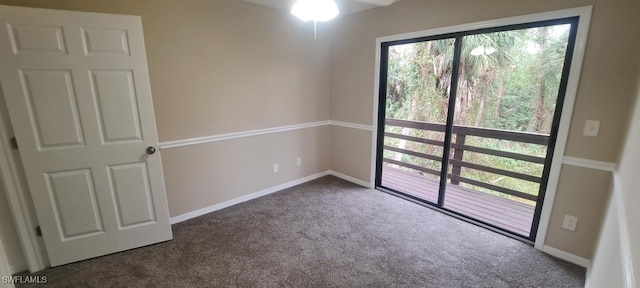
[
  {"x": 241, "y": 134},
  {"x": 588, "y": 163},
  {"x": 352, "y": 125},
  {"x": 251, "y": 133}
]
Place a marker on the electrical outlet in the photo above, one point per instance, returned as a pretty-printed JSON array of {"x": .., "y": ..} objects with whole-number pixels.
[
  {"x": 299, "y": 161},
  {"x": 570, "y": 222},
  {"x": 276, "y": 168},
  {"x": 591, "y": 128}
]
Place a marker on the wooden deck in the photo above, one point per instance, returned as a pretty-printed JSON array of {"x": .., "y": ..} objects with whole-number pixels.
[{"x": 504, "y": 213}]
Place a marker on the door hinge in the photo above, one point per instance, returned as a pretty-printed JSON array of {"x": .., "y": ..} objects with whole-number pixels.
[
  {"x": 38, "y": 231},
  {"x": 14, "y": 142}
]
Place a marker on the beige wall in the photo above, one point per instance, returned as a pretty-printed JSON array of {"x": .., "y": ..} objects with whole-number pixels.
[
  {"x": 583, "y": 193},
  {"x": 606, "y": 89},
  {"x": 208, "y": 174},
  {"x": 351, "y": 158},
  {"x": 226, "y": 66}
]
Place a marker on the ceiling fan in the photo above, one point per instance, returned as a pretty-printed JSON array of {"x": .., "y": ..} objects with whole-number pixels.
[
  {"x": 322, "y": 10},
  {"x": 378, "y": 2},
  {"x": 325, "y": 10},
  {"x": 345, "y": 6}
]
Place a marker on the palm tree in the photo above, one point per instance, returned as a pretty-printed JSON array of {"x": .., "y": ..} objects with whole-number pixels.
[
  {"x": 550, "y": 62},
  {"x": 482, "y": 58}
]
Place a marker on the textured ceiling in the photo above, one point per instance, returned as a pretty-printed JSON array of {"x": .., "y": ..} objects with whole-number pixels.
[{"x": 345, "y": 6}]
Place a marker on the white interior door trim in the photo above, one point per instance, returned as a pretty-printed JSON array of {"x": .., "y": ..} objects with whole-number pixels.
[
  {"x": 572, "y": 87},
  {"x": 4, "y": 267},
  {"x": 565, "y": 121},
  {"x": 24, "y": 219}
]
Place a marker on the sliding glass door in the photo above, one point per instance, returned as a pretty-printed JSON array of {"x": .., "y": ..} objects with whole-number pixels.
[
  {"x": 415, "y": 120},
  {"x": 468, "y": 121}
]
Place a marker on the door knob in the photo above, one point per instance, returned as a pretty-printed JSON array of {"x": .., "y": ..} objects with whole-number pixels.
[{"x": 151, "y": 150}]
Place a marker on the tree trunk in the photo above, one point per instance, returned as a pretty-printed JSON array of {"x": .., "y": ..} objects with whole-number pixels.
[
  {"x": 500, "y": 96},
  {"x": 466, "y": 101},
  {"x": 540, "y": 108},
  {"x": 542, "y": 40},
  {"x": 462, "y": 91},
  {"x": 488, "y": 80},
  {"x": 415, "y": 104},
  {"x": 483, "y": 98}
]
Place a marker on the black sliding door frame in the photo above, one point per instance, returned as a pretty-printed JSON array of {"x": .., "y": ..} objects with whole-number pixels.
[{"x": 458, "y": 36}]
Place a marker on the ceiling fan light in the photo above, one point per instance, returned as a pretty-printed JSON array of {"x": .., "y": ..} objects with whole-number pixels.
[{"x": 315, "y": 10}]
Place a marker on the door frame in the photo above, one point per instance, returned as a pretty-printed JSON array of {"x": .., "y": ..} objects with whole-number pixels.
[
  {"x": 444, "y": 170},
  {"x": 19, "y": 200},
  {"x": 5, "y": 271},
  {"x": 584, "y": 13}
]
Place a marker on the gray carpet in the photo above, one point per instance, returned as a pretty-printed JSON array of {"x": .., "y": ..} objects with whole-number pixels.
[{"x": 325, "y": 233}]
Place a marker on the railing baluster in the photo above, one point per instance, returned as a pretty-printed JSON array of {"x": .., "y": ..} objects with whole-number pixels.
[
  {"x": 459, "y": 147},
  {"x": 458, "y": 155}
]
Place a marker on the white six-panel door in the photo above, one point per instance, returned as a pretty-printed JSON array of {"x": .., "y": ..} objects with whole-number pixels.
[{"x": 79, "y": 98}]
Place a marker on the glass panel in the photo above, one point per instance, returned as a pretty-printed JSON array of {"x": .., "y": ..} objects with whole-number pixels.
[
  {"x": 507, "y": 92},
  {"x": 417, "y": 101}
]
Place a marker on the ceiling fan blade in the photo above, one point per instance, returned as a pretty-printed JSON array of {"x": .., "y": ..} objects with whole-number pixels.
[{"x": 378, "y": 2}]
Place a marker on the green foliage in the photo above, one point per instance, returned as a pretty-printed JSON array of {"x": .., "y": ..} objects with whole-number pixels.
[{"x": 508, "y": 80}]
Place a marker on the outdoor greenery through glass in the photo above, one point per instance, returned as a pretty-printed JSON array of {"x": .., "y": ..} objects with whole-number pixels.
[{"x": 507, "y": 80}]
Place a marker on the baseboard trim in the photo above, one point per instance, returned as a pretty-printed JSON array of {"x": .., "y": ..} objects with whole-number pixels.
[
  {"x": 623, "y": 229},
  {"x": 350, "y": 179},
  {"x": 587, "y": 276},
  {"x": 254, "y": 195},
  {"x": 566, "y": 256},
  {"x": 18, "y": 268},
  {"x": 258, "y": 194},
  {"x": 193, "y": 214}
]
